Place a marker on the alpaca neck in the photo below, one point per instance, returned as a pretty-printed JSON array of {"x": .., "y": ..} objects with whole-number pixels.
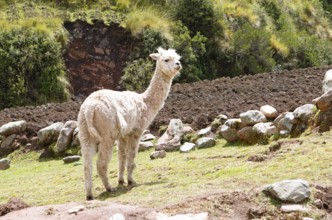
[{"x": 157, "y": 92}]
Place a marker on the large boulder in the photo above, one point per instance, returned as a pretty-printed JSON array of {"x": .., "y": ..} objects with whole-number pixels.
[
  {"x": 285, "y": 121},
  {"x": 65, "y": 136},
  {"x": 252, "y": 117},
  {"x": 15, "y": 127},
  {"x": 265, "y": 129},
  {"x": 171, "y": 139},
  {"x": 289, "y": 190},
  {"x": 49, "y": 134}
]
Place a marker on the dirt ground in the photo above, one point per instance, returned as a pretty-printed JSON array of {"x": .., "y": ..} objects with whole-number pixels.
[
  {"x": 196, "y": 104},
  {"x": 199, "y": 103}
]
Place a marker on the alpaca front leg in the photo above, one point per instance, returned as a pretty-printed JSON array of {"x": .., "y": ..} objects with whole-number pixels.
[
  {"x": 122, "y": 159},
  {"x": 88, "y": 152},
  {"x": 104, "y": 156},
  {"x": 131, "y": 154}
]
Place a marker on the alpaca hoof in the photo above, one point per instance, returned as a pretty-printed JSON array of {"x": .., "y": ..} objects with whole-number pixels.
[
  {"x": 121, "y": 182},
  {"x": 89, "y": 198},
  {"x": 131, "y": 184}
]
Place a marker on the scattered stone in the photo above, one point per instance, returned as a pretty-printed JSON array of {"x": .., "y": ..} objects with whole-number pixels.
[
  {"x": 186, "y": 147},
  {"x": 15, "y": 127},
  {"x": 66, "y": 136},
  {"x": 293, "y": 208},
  {"x": 148, "y": 137},
  {"x": 200, "y": 216},
  {"x": 7, "y": 142},
  {"x": 285, "y": 121},
  {"x": 4, "y": 164},
  {"x": 78, "y": 164},
  {"x": 145, "y": 145},
  {"x": 265, "y": 129},
  {"x": 228, "y": 133},
  {"x": 117, "y": 216},
  {"x": 307, "y": 218},
  {"x": 318, "y": 203},
  {"x": 247, "y": 134},
  {"x": 289, "y": 190},
  {"x": 71, "y": 159},
  {"x": 75, "y": 142},
  {"x": 49, "y": 134},
  {"x": 171, "y": 139},
  {"x": 158, "y": 154},
  {"x": 305, "y": 112},
  {"x": 187, "y": 129},
  {"x": 218, "y": 121},
  {"x": 205, "y": 142},
  {"x": 252, "y": 117},
  {"x": 324, "y": 102},
  {"x": 327, "y": 81},
  {"x": 269, "y": 111},
  {"x": 233, "y": 123},
  {"x": 204, "y": 131},
  {"x": 76, "y": 209}
]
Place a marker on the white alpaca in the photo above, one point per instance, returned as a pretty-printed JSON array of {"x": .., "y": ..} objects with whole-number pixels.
[{"x": 107, "y": 116}]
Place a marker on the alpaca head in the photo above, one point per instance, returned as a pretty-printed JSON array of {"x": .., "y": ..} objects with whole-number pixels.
[{"x": 168, "y": 62}]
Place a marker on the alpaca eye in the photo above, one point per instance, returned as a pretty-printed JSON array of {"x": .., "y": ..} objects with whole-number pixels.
[{"x": 166, "y": 60}]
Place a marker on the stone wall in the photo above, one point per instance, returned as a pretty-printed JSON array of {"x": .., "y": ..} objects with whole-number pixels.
[{"x": 96, "y": 55}]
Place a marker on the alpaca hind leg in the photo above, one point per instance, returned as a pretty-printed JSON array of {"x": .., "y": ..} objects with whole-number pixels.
[
  {"x": 104, "y": 156},
  {"x": 88, "y": 151},
  {"x": 122, "y": 159}
]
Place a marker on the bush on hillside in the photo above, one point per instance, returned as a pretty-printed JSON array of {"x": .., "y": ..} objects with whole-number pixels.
[{"x": 31, "y": 68}]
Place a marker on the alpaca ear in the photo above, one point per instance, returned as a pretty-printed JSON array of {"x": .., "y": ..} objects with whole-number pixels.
[{"x": 155, "y": 56}]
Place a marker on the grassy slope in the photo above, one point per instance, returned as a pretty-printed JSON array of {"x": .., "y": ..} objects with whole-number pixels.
[{"x": 176, "y": 177}]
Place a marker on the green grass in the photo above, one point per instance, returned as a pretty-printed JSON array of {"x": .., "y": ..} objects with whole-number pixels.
[{"x": 176, "y": 177}]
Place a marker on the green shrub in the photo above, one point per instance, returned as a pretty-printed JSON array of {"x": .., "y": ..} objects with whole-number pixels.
[
  {"x": 137, "y": 75},
  {"x": 31, "y": 67}
]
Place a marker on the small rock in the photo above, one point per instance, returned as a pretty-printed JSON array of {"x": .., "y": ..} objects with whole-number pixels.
[
  {"x": 247, "y": 134},
  {"x": 205, "y": 142},
  {"x": 4, "y": 164},
  {"x": 293, "y": 208},
  {"x": 76, "y": 209},
  {"x": 266, "y": 129},
  {"x": 49, "y": 134},
  {"x": 319, "y": 203},
  {"x": 204, "y": 131},
  {"x": 71, "y": 159},
  {"x": 186, "y": 147},
  {"x": 269, "y": 111},
  {"x": 158, "y": 154},
  {"x": 145, "y": 145},
  {"x": 148, "y": 137},
  {"x": 305, "y": 112},
  {"x": 252, "y": 117},
  {"x": 15, "y": 127},
  {"x": 289, "y": 190},
  {"x": 327, "y": 81},
  {"x": 228, "y": 133},
  {"x": 65, "y": 136},
  {"x": 233, "y": 123},
  {"x": 8, "y": 141},
  {"x": 187, "y": 129}
]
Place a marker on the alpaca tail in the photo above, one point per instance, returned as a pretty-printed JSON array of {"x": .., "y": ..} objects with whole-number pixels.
[{"x": 90, "y": 125}]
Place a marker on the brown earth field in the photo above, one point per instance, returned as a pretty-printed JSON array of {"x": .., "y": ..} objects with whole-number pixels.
[
  {"x": 199, "y": 103},
  {"x": 196, "y": 104}
]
